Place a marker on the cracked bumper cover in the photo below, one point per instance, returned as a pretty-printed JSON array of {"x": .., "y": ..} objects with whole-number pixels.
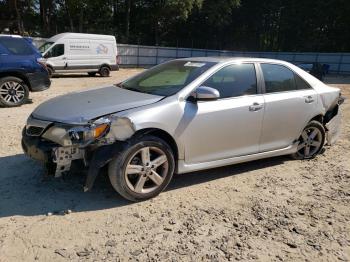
[
  {"x": 58, "y": 159},
  {"x": 56, "y": 150}
]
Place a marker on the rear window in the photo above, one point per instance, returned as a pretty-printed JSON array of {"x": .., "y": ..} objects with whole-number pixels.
[{"x": 17, "y": 46}]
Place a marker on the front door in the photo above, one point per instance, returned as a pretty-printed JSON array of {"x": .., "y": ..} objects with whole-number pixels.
[
  {"x": 56, "y": 57},
  {"x": 229, "y": 126}
]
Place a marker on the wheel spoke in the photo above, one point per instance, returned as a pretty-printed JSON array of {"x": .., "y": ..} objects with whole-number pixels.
[
  {"x": 133, "y": 169},
  {"x": 304, "y": 135},
  {"x": 18, "y": 85},
  {"x": 8, "y": 98},
  {"x": 301, "y": 146},
  {"x": 159, "y": 161},
  {"x": 3, "y": 92},
  {"x": 316, "y": 143},
  {"x": 157, "y": 179},
  {"x": 140, "y": 184},
  {"x": 313, "y": 134},
  {"x": 145, "y": 155},
  {"x": 307, "y": 151},
  {"x": 7, "y": 85},
  {"x": 15, "y": 99}
]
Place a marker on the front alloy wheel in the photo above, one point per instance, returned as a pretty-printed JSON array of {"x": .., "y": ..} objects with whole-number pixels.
[
  {"x": 13, "y": 92},
  {"x": 143, "y": 170},
  {"x": 146, "y": 170},
  {"x": 311, "y": 141}
]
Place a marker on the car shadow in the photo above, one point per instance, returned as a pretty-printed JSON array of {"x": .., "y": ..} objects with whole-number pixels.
[{"x": 24, "y": 192}]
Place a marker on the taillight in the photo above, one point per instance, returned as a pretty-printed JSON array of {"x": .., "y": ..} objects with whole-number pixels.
[{"x": 41, "y": 61}]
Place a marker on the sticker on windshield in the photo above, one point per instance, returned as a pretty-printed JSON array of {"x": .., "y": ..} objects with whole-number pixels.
[{"x": 194, "y": 64}]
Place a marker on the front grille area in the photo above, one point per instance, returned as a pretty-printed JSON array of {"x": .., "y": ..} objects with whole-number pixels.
[{"x": 34, "y": 130}]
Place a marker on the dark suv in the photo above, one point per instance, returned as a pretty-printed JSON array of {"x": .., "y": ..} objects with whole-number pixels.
[{"x": 22, "y": 69}]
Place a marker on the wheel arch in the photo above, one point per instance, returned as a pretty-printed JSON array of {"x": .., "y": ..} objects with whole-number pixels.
[
  {"x": 18, "y": 75},
  {"x": 105, "y": 65},
  {"x": 318, "y": 118},
  {"x": 162, "y": 135}
]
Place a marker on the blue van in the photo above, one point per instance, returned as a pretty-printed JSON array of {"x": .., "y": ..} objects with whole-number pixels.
[{"x": 22, "y": 70}]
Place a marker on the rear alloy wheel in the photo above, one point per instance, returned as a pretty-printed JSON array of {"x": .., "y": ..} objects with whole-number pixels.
[
  {"x": 311, "y": 141},
  {"x": 13, "y": 92},
  {"x": 143, "y": 170},
  {"x": 104, "y": 71}
]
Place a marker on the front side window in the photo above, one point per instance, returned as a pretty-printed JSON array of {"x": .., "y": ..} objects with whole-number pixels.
[
  {"x": 55, "y": 51},
  {"x": 278, "y": 78},
  {"x": 16, "y": 45},
  {"x": 166, "y": 79},
  {"x": 234, "y": 80}
]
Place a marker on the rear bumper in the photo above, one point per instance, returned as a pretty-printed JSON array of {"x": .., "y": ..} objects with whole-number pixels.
[
  {"x": 39, "y": 81},
  {"x": 333, "y": 129}
]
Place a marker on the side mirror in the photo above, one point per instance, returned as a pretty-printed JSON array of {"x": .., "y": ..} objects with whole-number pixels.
[{"x": 205, "y": 93}]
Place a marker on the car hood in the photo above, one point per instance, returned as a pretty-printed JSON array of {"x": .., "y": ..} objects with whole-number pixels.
[{"x": 80, "y": 107}]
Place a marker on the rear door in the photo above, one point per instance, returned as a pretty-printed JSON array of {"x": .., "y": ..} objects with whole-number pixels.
[{"x": 289, "y": 104}]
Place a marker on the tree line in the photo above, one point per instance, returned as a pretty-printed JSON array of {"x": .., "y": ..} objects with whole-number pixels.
[{"x": 246, "y": 25}]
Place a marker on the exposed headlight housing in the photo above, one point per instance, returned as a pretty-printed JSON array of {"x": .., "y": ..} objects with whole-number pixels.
[{"x": 89, "y": 133}]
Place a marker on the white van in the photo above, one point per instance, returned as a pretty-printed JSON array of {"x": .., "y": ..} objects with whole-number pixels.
[{"x": 78, "y": 53}]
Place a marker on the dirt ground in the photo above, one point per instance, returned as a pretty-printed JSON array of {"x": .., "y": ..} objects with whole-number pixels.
[{"x": 275, "y": 209}]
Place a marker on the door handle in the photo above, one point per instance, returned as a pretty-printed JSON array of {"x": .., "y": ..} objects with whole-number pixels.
[
  {"x": 309, "y": 99},
  {"x": 255, "y": 107}
]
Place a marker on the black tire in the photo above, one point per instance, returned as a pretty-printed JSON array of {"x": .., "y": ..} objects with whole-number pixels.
[
  {"x": 50, "y": 71},
  {"x": 92, "y": 74},
  {"x": 104, "y": 71},
  {"x": 117, "y": 168},
  {"x": 310, "y": 142},
  {"x": 13, "y": 92}
]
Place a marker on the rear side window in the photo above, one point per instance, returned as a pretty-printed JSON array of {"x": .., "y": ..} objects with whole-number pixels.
[
  {"x": 16, "y": 46},
  {"x": 234, "y": 80},
  {"x": 278, "y": 78},
  {"x": 55, "y": 51},
  {"x": 301, "y": 84}
]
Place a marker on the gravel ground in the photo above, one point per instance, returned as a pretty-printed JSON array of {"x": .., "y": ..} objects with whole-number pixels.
[{"x": 275, "y": 209}]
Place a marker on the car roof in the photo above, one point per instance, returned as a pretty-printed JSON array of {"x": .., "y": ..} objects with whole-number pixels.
[
  {"x": 81, "y": 36},
  {"x": 220, "y": 59},
  {"x": 15, "y": 36}
]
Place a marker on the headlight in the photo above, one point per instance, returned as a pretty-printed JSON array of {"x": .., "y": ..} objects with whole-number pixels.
[{"x": 89, "y": 133}]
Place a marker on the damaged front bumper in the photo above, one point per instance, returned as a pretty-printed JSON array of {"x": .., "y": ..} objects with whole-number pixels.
[
  {"x": 58, "y": 146},
  {"x": 58, "y": 159}
]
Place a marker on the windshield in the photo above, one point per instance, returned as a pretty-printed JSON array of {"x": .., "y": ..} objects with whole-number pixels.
[
  {"x": 167, "y": 79},
  {"x": 45, "y": 46}
]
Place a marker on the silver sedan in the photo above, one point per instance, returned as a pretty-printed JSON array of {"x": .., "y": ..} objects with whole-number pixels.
[{"x": 182, "y": 116}]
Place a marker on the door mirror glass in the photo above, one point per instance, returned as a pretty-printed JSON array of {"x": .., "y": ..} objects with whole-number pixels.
[{"x": 206, "y": 93}]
